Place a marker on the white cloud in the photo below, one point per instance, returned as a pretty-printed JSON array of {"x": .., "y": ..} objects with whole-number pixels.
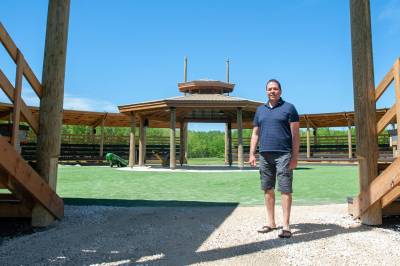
[{"x": 86, "y": 104}]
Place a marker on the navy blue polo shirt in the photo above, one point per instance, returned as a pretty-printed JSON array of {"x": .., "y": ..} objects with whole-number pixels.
[{"x": 274, "y": 126}]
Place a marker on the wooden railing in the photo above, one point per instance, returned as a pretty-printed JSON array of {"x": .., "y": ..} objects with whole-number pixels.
[
  {"x": 14, "y": 93},
  {"x": 384, "y": 187}
]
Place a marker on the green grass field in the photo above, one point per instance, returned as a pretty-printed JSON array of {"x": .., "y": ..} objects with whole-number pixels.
[{"x": 312, "y": 185}]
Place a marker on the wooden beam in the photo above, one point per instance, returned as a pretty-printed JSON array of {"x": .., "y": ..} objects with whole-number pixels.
[
  {"x": 382, "y": 86},
  {"x": 364, "y": 104},
  {"x": 172, "y": 128},
  {"x": 14, "y": 210},
  {"x": 240, "y": 138},
  {"x": 379, "y": 187},
  {"x": 132, "y": 141},
  {"x": 20, "y": 172},
  {"x": 391, "y": 196},
  {"x": 386, "y": 119},
  {"x": 51, "y": 103},
  {"x": 13, "y": 51},
  {"x": 392, "y": 210},
  {"x": 17, "y": 101},
  {"x": 26, "y": 113}
]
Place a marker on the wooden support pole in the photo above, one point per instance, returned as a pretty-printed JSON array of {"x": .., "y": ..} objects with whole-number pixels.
[
  {"x": 226, "y": 152},
  {"x": 142, "y": 133},
  {"x": 17, "y": 101},
  {"x": 230, "y": 159},
  {"x": 132, "y": 139},
  {"x": 349, "y": 142},
  {"x": 172, "y": 127},
  {"x": 181, "y": 143},
  {"x": 308, "y": 141},
  {"x": 396, "y": 72},
  {"x": 185, "y": 138},
  {"x": 101, "y": 151},
  {"x": 51, "y": 102},
  {"x": 185, "y": 70},
  {"x": 240, "y": 138},
  {"x": 364, "y": 103},
  {"x": 315, "y": 143}
]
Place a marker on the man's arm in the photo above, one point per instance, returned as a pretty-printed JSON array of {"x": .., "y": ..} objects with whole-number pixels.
[
  {"x": 295, "y": 129},
  {"x": 253, "y": 146}
]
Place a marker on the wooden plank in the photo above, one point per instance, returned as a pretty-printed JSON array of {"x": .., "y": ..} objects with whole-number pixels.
[
  {"x": 386, "y": 119},
  {"x": 26, "y": 113},
  {"x": 391, "y": 196},
  {"x": 20, "y": 171},
  {"x": 379, "y": 187},
  {"x": 382, "y": 86},
  {"x": 12, "y": 50},
  {"x": 142, "y": 133},
  {"x": 392, "y": 209},
  {"x": 17, "y": 101},
  {"x": 14, "y": 210},
  {"x": 364, "y": 102},
  {"x": 396, "y": 73}
]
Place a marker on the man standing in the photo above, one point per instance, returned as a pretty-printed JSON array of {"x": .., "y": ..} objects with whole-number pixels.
[{"x": 276, "y": 126}]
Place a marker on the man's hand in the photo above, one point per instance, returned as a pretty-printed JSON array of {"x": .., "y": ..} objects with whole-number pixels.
[
  {"x": 293, "y": 163},
  {"x": 252, "y": 160}
]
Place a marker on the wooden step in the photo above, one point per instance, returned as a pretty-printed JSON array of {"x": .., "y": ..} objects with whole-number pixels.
[
  {"x": 384, "y": 187},
  {"x": 23, "y": 175}
]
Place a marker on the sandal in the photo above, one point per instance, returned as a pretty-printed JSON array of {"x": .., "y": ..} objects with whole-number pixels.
[
  {"x": 285, "y": 234},
  {"x": 265, "y": 229}
]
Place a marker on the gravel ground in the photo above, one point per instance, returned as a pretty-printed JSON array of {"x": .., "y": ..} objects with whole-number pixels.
[{"x": 96, "y": 235}]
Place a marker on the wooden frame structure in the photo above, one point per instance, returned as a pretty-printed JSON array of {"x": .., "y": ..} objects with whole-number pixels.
[{"x": 33, "y": 190}]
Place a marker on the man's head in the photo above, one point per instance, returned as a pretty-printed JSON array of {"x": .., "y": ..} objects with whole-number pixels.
[{"x": 274, "y": 90}]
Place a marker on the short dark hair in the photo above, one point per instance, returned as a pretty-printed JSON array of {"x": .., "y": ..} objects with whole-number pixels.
[{"x": 276, "y": 81}]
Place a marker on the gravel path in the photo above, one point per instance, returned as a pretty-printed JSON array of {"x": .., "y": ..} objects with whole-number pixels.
[{"x": 96, "y": 235}]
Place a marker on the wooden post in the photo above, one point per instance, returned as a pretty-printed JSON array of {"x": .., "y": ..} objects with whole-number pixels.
[
  {"x": 230, "y": 159},
  {"x": 182, "y": 142},
  {"x": 17, "y": 102},
  {"x": 240, "y": 138},
  {"x": 51, "y": 103},
  {"x": 308, "y": 141},
  {"x": 226, "y": 152},
  {"x": 185, "y": 70},
  {"x": 142, "y": 134},
  {"x": 397, "y": 93},
  {"x": 132, "y": 150},
  {"x": 349, "y": 143},
  {"x": 186, "y": 141},
  {"x": 227, "y": 71},
  {"x": 101, "y": 152},
  {"x": 364, "y": 103},
  {"x": 315, "y": 134},
  {"x": 172, "y": 151}
]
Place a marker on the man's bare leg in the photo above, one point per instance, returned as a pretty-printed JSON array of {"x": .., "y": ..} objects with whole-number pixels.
[
  {"x": 286, "y": 207},
  {"x": 270, "y": 205}
]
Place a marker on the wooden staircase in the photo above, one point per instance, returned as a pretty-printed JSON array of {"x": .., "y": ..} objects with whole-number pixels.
[
  {"x": 21, "y": 187},
  {"x": 386, "y": 186}
]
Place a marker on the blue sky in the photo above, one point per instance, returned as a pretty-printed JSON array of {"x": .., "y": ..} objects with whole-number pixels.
[{"x": 122, "y": 52}]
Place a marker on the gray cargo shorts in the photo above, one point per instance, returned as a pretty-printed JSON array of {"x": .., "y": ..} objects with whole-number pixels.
[{"x": 276, "y": 165}]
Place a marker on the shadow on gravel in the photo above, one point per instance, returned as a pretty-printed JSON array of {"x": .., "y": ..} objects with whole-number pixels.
[{"x": 143, "y": 203}]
